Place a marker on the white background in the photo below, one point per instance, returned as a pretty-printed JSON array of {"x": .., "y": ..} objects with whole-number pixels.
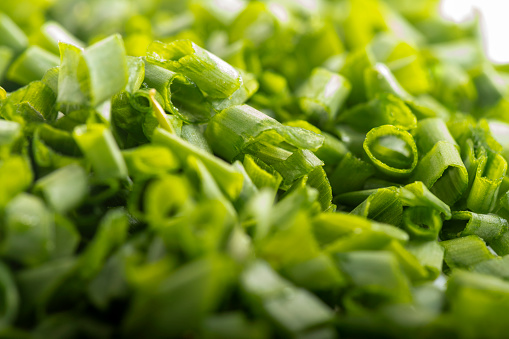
[{"x": 494, "y": 16}]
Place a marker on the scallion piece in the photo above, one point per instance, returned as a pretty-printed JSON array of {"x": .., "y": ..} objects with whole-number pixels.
[
  {"x": 391, "y": 150},
  {"x": 443, "y": 172},
  {"x": 202, "y": 67},
  {"x": 31, "y": 65}
]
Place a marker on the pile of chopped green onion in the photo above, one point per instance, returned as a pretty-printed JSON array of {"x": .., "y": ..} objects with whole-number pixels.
[{"x": 215, "y": 169}]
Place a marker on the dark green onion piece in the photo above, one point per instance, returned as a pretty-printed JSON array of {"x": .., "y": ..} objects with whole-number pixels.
[
  {"x": 443, "y": 172},
  {"x": 392, "y": 150},
  {"x": 202, "y": 67}
]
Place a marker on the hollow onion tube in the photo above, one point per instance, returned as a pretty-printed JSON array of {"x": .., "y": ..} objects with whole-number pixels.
[
  {"x": 422, "y": 223},
  {"x": 261, "y": 174},
  {"x": 430, "y": 254},
  {"x": 181, "y": 96},
  {"x": 204, "y": 68},
  {"x": 391, "y": 150},
  {"x": 443, "y": 172},
  {"x": 489, "y": 227},
  {"x": 483, "y": 194}
]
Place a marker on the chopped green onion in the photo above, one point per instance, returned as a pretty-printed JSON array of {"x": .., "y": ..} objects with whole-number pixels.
[{"x": 392, "y": 150}]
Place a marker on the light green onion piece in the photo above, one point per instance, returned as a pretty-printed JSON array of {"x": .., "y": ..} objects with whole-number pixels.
[
  {"x": 51, "y": 33},
  {"x": 248, "y": 88},
  {"x": 228, "y": 179},
  {"x": 353, "y": 69},
  {"x": 100, "y": 148},
  {"x": 329, "y": 227},
  {"x": 384, "y": 109},
  {"x": 430, "y": 254},
  {"x": 107, "y": 68},
  {"x": 150, "y": 160},
  {"x": 50, "y": 78},
  {"x": 408, "y": 261},
  {"x": 489, "y": 227},
  {"x": 265, "y": 290},
  {"x": 29, "y": 228},
  {"x": 136, "y": 73},
  {"x": 323, "y": 94},
  {"x": 34, "y": 103},
  {"x": 11, "y": 35},
  {"x": 501, "y": 244},
  {"x": 379, "y": 79},
  {"x": 261, "y": 174},
  {"x": 443, "y": 172},
  {"x": 353, "y": 168},
  {"x": 422, "y": 223},
  {"x": 332, "y": 150},
  {"x": 194, "y": 135},
  {"x": 392, "y": 150},
  {"x": 465, "y": 251},
  {"x": 204, "y": 68},
  {"x": 91, "y": 76},
  {"x": 429, "y": 132},
  {"x": 10, "y": 131},
  {"x": 383, "y": 206},
  {"x": 63, "y": 189},
  {"x": 490, "y": 171},
  {"x": 181, "y": 96},
  {"x": 13, "y": 185},
  {"x": 10, "y": 298},
  {"x": 140, "y": 100},
  {"x": 6, "y": 55},
  {"x": 160, "y": 113},
  {"x": 31, "y": 65},
  {"x": 417, "y": 194},
  {"x": 317, "y": 179},
  {"x": 498, "y": 267}
]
